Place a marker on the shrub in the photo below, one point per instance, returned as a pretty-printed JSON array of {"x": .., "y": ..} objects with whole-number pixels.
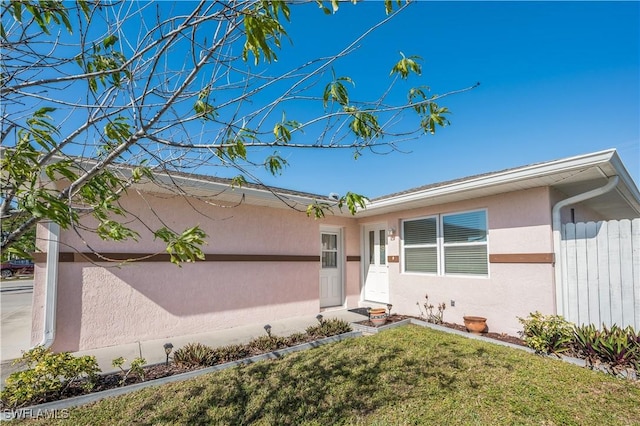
[
  {"x": 547, "y": 334},
  {"x": 136, "y": 368},
  {"x": 615, "y": 349},
  {"x": 330, "y": 327},
  {"x": 47, "y": 374},
  {"x": 297, "y": 339},
  {"x": 232, "y": 353},
  {"x": 429, "y": 315},
  {"x": 264, "y": 344},
  {"x": 195, "y": 354}
]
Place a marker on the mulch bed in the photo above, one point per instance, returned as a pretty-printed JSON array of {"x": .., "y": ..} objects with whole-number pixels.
[{"x": 497, "y": 336}]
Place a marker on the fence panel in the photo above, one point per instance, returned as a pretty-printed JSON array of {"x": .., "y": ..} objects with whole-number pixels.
[{"x": 601, "y": 272}]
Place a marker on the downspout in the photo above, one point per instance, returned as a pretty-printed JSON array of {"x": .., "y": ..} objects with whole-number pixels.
[
  {"x": 561, "y": 300},
  {"x": 51, "y": 285}
]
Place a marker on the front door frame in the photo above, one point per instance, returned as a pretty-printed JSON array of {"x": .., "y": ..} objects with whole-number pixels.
[
  {"x": 377, "y": 226},
  {"x": 340, "y": 265}
]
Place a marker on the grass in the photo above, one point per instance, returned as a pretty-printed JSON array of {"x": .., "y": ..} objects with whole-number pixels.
[{"x": 408, "y": 375}]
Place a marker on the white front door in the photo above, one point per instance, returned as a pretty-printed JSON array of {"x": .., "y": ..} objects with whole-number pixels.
[
  {"x": 376, "y": 270},
  {"x": 330, "y": 268}
]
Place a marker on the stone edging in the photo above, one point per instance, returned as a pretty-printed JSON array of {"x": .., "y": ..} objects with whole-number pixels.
[
  {"x": 50, "y": 408},
  {"x": 373, "y": 330}
]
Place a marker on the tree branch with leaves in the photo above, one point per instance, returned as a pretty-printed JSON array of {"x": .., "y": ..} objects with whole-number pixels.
[{"x": 99, "y": 96}]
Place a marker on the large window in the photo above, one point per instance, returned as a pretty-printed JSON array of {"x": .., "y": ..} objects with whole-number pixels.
[{"x": 448, "y": 244}]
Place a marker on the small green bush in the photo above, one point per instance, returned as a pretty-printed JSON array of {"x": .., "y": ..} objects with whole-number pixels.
[
  {"x": 195, "y": 354},
  {"x": 47, "y": 374},
  {"x": 136, "y": 368},
  {"x": 547, "y": 334}
]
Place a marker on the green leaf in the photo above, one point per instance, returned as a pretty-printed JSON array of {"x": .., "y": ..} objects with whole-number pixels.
[
  {"x": 109, "y": 41},
  {"x": 262, "y": 28},
  {"x": 275, "y": 163},
  {"x": 184, "y": 247},
  {"x": 17, "y": 10},
  {"x": 337, "y": 92},
  {"x": 353, "y": 201},
  {"x": 406, "y": 65},
  {"x": 238, "y": 181},
  {"x": 364, "y": 124},
  {"x": 317, "y": 209},
  {"x": 325, "y": 9}
]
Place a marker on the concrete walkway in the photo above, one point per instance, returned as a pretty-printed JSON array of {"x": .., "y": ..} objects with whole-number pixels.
[
  {"x": 153, "y": 350},
  {"x": 15, "y": 322}
]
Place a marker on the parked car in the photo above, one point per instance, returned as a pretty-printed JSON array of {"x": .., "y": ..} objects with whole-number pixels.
[{"x": 16, "y": 267}]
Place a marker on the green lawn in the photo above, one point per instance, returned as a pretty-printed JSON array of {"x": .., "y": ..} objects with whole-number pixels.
[{"x": 408, "y": 375}]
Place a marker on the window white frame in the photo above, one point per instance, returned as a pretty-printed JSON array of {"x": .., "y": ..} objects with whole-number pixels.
[{"x": 441, "y": 246}]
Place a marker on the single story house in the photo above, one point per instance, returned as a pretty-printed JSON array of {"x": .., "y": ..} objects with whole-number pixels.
[{"x": 484, "y": 245}]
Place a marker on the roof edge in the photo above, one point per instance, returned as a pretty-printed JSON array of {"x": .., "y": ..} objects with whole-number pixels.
[{"x": 505, "y": 176}]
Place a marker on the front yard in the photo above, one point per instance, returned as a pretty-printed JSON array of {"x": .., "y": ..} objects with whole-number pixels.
[{"x": 408, "y": 375}]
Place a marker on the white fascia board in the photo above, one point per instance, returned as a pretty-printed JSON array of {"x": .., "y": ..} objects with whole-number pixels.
[
  {"x": 510, "y": 176},
  {"x": 248, "y": 192},
  {"x": 627, "y": 181}
]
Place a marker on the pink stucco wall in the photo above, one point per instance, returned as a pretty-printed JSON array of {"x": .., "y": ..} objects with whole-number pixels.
[
  {"x": 519, "y": 223},
  {"x": 106, "y": 304}
]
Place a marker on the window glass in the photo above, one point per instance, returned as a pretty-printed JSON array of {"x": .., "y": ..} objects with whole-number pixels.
[
  {"x": 465, "y": 227},
  {"x": 421, "y": 259},
  {"x": 420, "y": 231},
  {"x": 461, "y": 249},
  {"x": 383, "y": 247},
  {"x": 329, "y": 242},
  {"x": 329, "y": 259},
  {"x": 470, "y": 260},
  {"x": 329, "y": 251},
  {"x": 372, "y": 242}
]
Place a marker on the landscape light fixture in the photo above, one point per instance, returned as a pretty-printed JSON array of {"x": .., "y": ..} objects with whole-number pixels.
[{"x": 168, "y": 347}]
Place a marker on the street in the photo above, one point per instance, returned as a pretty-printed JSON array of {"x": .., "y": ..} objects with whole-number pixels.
[{"x": 15, "y": 317}]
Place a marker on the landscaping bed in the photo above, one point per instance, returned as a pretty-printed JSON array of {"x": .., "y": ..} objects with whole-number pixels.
[
  {"x": 56, "y": 377},
  {"x": 194, "y": 357},
  {"x": 407, "y": 375},
  {"x": 395, "y": 318}
]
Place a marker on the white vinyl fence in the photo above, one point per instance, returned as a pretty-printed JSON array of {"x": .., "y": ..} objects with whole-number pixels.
[{"x": 601, "y": 272}]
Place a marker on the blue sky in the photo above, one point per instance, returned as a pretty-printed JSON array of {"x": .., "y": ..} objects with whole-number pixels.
[{"x": 558, "y": 79}]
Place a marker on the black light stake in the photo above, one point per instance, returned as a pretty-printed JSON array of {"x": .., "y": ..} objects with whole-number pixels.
[{"x": 168, "y": 347}]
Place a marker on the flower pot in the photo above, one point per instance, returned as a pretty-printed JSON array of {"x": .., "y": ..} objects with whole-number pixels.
[
  {"x": 475, "y": 325},
  {"x": 378, "y": 316}
]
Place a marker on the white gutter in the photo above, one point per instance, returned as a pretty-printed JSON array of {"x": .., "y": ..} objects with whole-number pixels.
[
  {"x": 562, "y": 304},
  {"x": 51, "y": 285},
  {"x": 581, "y": 162}
]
